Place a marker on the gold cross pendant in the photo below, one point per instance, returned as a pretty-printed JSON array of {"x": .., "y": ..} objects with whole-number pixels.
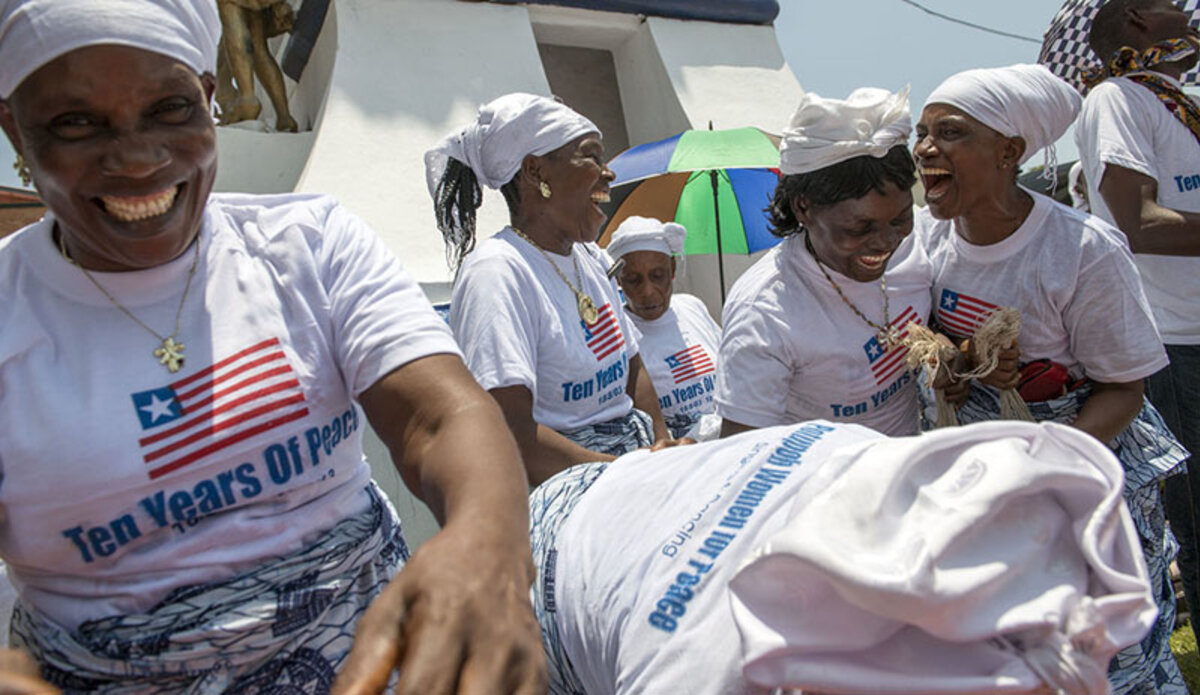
[
  {"x": 889, "y": 337},
  {"x": 170, "y": 354}
]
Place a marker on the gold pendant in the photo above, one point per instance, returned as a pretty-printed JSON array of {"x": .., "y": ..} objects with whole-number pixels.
[
  {"x": 888, "y": 337},
  {"x": 587, "y": 309},
  {"x": 170, "y": 354}
]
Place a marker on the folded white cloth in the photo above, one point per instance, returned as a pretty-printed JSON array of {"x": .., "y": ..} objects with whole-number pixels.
[
  {"x": 1025, "y": 100},
  {"x": 35, "y": 32},
  {"x": 991, "y": 558},
  {"x": 637, "y": 233},
  {"x": 824, "y": 132},
  {"x": 507, "y": 129}
]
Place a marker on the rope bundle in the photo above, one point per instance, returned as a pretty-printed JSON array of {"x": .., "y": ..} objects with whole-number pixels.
[{"x": 999, "y": 330}]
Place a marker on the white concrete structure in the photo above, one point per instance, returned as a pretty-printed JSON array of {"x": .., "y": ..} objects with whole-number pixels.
[{"x": 388, "y": 78}]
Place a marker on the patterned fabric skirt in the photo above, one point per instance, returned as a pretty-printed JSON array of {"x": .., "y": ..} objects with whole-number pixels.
[
  {"x": 617, "y": 436},
  {"x": 1148, "y": 453},
  {"x": 549, "y": 506},
  {"x": 284, "y": 627}
]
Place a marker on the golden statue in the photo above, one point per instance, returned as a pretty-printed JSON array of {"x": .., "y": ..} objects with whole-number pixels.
[{"x": 246, "y": 26}]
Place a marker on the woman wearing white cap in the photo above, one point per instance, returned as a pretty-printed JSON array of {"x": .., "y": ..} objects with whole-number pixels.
[
  {"x": 1084, "y": 316},
  {"x": 994, "y": 558},
  {"x": 813, "y": 329},
  {"x": 183, "y": 384},
  {"x": 677, "y": 337},
  {"x": 539, "y": 320}
]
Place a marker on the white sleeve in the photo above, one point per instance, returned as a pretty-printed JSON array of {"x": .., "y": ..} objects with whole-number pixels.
[
  {"x": 1112, "y": 331},
  {"x": 754, "y": 371},
  {"x": 494, "y": 316},
  {"x": 381, "y": 320},
  {"x": 1120, "y": 135}
]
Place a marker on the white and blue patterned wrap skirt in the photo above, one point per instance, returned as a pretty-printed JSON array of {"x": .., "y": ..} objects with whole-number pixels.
[
  {"x": 614, "y": 437},
  {"x": 284, "y": 627},
  {"x": 1148, "y": 453},
  {"x": 549, "y": 506}
]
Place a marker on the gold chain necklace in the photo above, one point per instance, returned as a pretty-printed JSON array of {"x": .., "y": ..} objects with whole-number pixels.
[
  {"x": 170, "y": 351},
  {"x": 887, "y": 335},
  {"x": 584, "y": 303}
]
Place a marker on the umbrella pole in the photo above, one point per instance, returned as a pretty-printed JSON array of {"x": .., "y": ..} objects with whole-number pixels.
[{"x": 712, "y": 175}]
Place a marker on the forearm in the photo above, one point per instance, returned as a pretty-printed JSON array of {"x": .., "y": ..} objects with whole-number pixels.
[
  {"x": 549, "y": 452},
  {"x": 1110, "y": 409},
  {"x": 645, "y": 398},
  {"x": 1132, "y": 199},
  {"x": 1165, "y": 232}
]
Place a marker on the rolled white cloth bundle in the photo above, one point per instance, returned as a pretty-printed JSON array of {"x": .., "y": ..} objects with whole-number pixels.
[{"x": 990, "y": 558}]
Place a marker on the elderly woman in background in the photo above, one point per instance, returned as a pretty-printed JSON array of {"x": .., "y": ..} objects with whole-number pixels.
[
  {"x": 201, "y": 518},
  {"x": 677, "y": 337},
  {"x": 1084, "y": 316},
  {"x": 539, "y": 320},
  {"x": 814, "y": 328}
]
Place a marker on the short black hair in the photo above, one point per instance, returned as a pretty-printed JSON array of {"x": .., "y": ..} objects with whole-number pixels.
[
  {"x": 1109, "y": 30},
  {"x": 846, "y": 180}
]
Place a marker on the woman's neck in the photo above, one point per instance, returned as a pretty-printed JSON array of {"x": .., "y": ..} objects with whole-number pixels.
[
  {"x": 543, "y": 233},
  {"x": 996, "y": 219}
]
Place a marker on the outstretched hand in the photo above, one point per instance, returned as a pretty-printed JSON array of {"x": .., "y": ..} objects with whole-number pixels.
[
  {"x": 668, "y": 442},
  {"x": 455, "y": 620}
]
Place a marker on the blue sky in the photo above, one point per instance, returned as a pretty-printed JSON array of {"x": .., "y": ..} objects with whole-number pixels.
[{"x": 836, "y": 46}]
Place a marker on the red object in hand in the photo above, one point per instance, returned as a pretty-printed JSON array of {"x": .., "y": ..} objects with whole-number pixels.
[{"x": 1043, "y": 380}]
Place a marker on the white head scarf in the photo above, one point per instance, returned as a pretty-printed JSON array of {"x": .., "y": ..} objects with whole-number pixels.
[
  {"x": 1025, "y": 100},
  {"x": 35, "y": 32},
  {"x": 646, "y": 234},
  {"x": 824, "y": 132},
  {"x": 989, "y": 558},
  {"x": 507, "y": 129}
]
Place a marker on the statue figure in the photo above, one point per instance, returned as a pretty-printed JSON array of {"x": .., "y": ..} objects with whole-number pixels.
[{"x": 246, "y": 26}]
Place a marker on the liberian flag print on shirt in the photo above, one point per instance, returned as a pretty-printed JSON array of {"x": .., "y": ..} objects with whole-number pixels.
[
  {"x": 885, "y": 365},
  {"x": 961, "y": 315},
  {"x": 689, "y": 363},
  {"x": 239, "y": 397},
  {"x": 604, "y": 337}
]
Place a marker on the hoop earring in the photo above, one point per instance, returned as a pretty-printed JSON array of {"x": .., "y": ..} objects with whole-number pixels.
[
  {"x": 544, "y": 188},
  {"x": 22, "y": 170}
]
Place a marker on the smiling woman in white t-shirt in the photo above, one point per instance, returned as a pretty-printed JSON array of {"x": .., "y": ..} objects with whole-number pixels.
[
  {"x": 813, "y": 329},
  {"x": 538, "y": 319},
  {"x": 1084, "y": 315}
]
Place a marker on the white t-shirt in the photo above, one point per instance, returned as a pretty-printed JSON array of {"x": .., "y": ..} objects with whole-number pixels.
[
  {"x": 793, "y": 350},
  {"x": 518, "y": 324},
  {"x": 122, "y": 481},
  {"x": 1124, "y": 124},
  {"x": 641, "y": 598},
  {"x": 679, "y": 350},
  {"x": 1071, "y": 277}
]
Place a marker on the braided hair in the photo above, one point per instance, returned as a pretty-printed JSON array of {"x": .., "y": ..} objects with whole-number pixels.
[{"x": 457, "y": 198}]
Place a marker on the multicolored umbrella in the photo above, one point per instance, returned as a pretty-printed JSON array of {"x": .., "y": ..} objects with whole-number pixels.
[
  {"x": 1065, "y": 47},
  {"x": 717, "y": 183}
]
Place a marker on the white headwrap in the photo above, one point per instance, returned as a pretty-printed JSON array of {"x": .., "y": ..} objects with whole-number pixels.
[
  {"x": 1025, "y": 100},
  {"x": 35, "y": 32},
  {"x": 646, "y": 234},
  {"x": 824, "y": 132},
  {"x": 507, "y": 129},
  {"x": 986, "y": 558}
]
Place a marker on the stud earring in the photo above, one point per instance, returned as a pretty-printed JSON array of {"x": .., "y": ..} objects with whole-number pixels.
[
  {"x": 23, "y": 171},
  {"x": 544, "y": 188}
]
